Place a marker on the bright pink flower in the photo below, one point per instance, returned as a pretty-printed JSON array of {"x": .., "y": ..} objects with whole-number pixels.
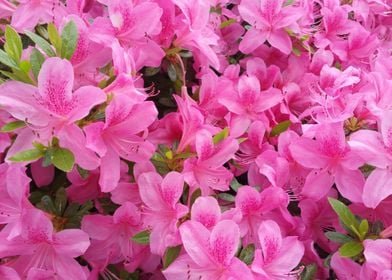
[
  {"x": 162, "y": 210},
  {"x": 332, "y": 160},
  {"x": 29, "y": 13},
  {"x": 132, "y": 23},
  {"x": 256, "y": 207},
  {"x": 119, "y": 137},
  {"x": 39, "y": 247},
  {"x": 51, "y": 110},
  {"x": 251, "y": 102},
  {"x": 193, "y": 31},
  {"x": 14, "y": 188},
  {"x": 376, "y": 149},
  {"x": 378, "y": 255},
  {"x": 111, "y": 237},
  {"x": 207, "y": 171},
  {"x": 278, "y": 255},
  {"x": 210, "y": 254},
  {"x": 268, "y": 20}
]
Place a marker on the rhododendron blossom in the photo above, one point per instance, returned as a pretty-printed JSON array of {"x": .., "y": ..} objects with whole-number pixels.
[{"x": 196, "y": 139}]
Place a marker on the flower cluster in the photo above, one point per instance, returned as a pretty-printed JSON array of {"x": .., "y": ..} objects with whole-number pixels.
[{"x": 196, "y": 139}]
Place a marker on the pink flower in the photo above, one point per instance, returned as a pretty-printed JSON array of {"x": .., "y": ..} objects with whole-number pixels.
[
  {"x": 210, "y": 254},
  {"x": 207, "y": 170},
  {"x": 332, "y": 160},
  {"x": 378, "y": 255},
  {"x": 278, "y": 255},
  {"x": 51, "y": 110},
  {"x": 29, "y": 13},
  {"x": 268, "y": 20},
  {"x": 111, "y": 237},
  {"x": 251, "y": 102},
  {"x": 39, "y": 247},
  {"x": 162, "y": 210},
  {"x": 256, "y": 207},
  {"x": 119, "y": 137}
]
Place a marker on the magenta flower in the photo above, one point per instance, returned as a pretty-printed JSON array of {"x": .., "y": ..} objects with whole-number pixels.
[
  {"x": 119, "y": 137},
  {"x": 39, "y": 247},
  {"x": 111, "y": 237},
  {"x": 268, "y": 20},
  {"x": 210, "y": 254},
  {"x": 207, "y": 170},
  {"x": 162, "y": 210},
  {"x": 278, "y": 255},
  {"x": 332, "y": 160},
  {"x": 51, "y": 109}
]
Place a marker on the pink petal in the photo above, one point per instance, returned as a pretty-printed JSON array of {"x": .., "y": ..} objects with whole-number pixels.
[
  {"x": 377, "y": 187},
  {"x": 86, "y": 98},
  {"x": 350, "y": 184},
  {"x": 206, "y": 211},
  {"x": 204, "y": 144},
  {"x": 280, "y": 40},
  {"x": 98, "y": 226},
  {"x": 248, "y": 200},
  {"x": 127, "y": 213},
  {"x": 42, "y": 176},
  {"x": 71, "y": 242},
  {"x": 367, "y": 144},
  {"x": 172, "y": 187},
  {"x": 305, "y": 151},
  {"x": 149, "y": 188},
  {"x": 270, "y": 240},
  {"x": 224, "y": 241},
  {"x": 317, "y": 184},
  {"x": 72, "y": 138},
  {"x": 345, "y": 268},
  {"x": 288, "y": 258},
  {"x": 110, "y": 171},
  {"x": 195, "y": 238},
  {"x": 55, "y": 82},
  {"x": 8, "y": 273},
  {"x": 252, "y": 39},
  {"x": 19, "y": 100},
  {"x": 378, "y": 254},
  {"x": 94, "y": 140}
]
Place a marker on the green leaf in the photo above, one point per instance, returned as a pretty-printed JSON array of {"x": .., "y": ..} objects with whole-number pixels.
[
  {"x": 54, "y": 37},
  {"x": 195, "y": 195},
  {"x": 12, "y": 126},
  {"x": 338, "y": 237},
  {"x": 363, "y": 228},
  {"x": 351, "y": 249},
  {"x": 83, "y": 172},
  {"x": 7, "y": 60},
  {"x": 344, "y": 213},
  {"x": 36, "y": 61},
  {"x": 171, "y": 72},
  {"x": 41, "y": 42},
  {"x": 69, "y": 39},
  {"x": 48, "y": 156},
  {"x": 221, "y": 135},
  {"x": 28, "y": 155},
  {"x": 309, "y": 272},
  {"x": 227, "y": 23},
  {"x": 60, "y": 201},
  {"x": 235, "y": 185},
  {"x": 171, "y": 255},
  {"x": 142, "y": 237},
  {"x": 18, "y": 75},
  {"x": 226, "y": 197},
  {"x": 63, "y": 159},
  {"x": 25, "y": 66},
  {"x": 280, "y": 127},
  {"x": 247, "y": 254},
  {"x": 13, "y": 44}
]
